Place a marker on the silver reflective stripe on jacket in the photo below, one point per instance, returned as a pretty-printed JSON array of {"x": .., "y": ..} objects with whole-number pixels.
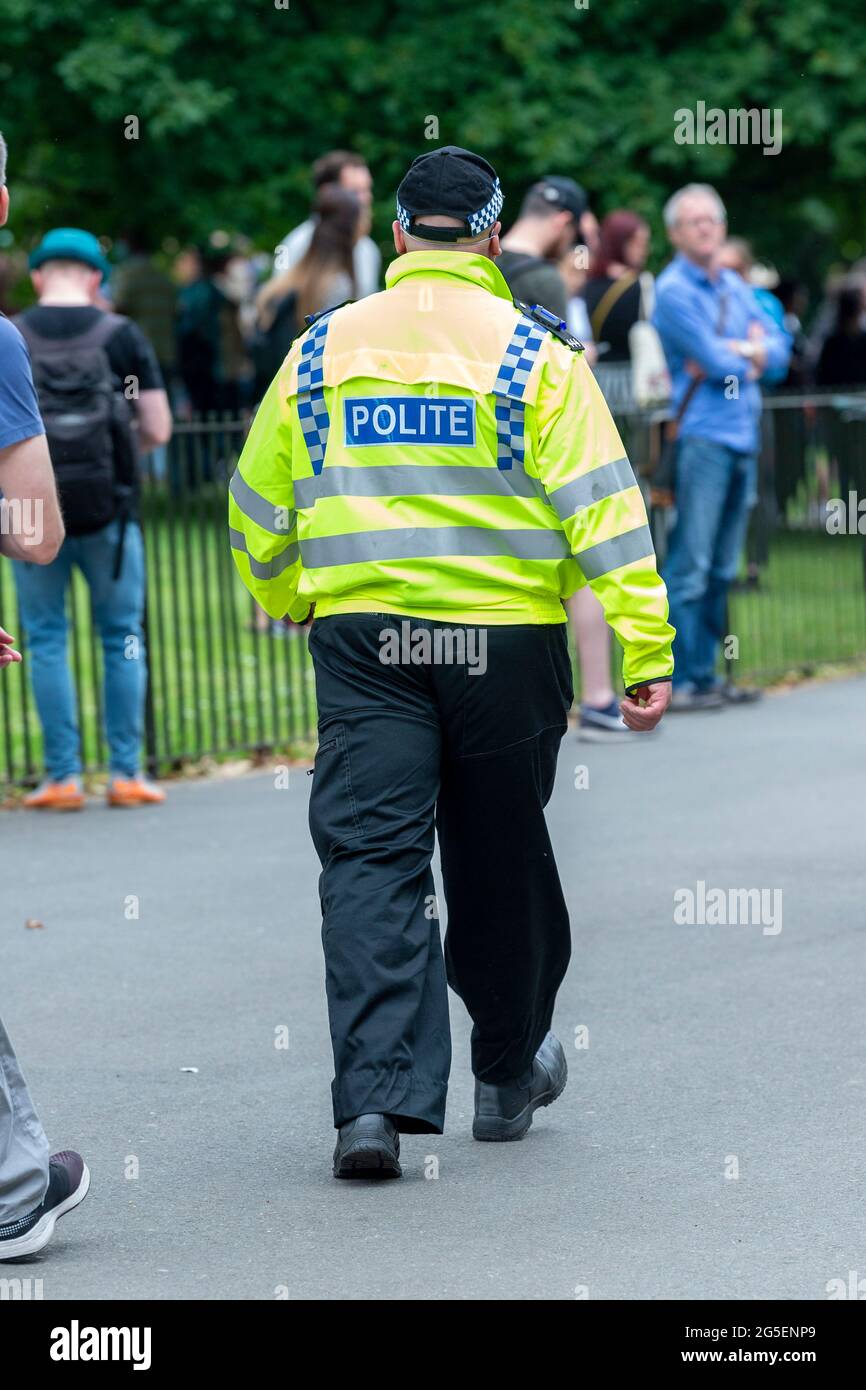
[{"x": 408, "y": 543}]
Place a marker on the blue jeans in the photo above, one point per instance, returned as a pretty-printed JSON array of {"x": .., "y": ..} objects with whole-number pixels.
[
  {"x": 715, "y": 491},
  {"x": 118, "y": 611}
]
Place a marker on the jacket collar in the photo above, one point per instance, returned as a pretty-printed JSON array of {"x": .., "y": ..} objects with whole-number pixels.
[{"x": 454, "y": 266}]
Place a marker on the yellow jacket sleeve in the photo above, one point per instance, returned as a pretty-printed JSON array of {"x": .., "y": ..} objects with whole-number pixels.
[
  {"x": 590, "y": 482},
  {"x": 263, "y": 524}
]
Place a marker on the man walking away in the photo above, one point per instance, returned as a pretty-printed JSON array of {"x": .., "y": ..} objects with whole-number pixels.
[
  {"x": 89, "y": 368},
  {"x": 437, "y": 470},
  {"x": 35, "y": 1188}
]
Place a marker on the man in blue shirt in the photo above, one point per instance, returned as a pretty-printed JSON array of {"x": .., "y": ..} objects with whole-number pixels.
[
  {"x": 31, "y": 527},
  {"x": 36, "y": 1187},
  {"x": 30, "y": 523},
  {"x": 719, "y": 343}
]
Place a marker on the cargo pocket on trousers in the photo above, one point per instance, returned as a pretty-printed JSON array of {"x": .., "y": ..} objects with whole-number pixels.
[{"x": 334, "y": 815}]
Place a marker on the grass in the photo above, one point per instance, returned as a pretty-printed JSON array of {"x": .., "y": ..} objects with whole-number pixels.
[{"x": 810, "y": 608}]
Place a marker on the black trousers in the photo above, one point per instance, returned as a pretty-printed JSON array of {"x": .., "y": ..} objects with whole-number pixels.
[{"x": 405, "y": 746}]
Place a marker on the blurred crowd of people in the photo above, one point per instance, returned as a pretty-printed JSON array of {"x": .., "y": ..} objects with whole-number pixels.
[
  {"x": 205, "y": 331},
  {"x": 221, "y": 316}
]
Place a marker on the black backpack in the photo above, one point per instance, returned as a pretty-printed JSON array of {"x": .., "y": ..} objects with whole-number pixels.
[{"x": 88, "y": 423}]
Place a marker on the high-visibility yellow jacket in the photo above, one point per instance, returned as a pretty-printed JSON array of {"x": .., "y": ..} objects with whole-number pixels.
[{"x": 430, "y": 451}]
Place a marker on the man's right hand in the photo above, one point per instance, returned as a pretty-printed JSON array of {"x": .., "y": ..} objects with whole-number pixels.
[
  {"x": 8, "y": 654},
  {"x": 642, "y": 718}
]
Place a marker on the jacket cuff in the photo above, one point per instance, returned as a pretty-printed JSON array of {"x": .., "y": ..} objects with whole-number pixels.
[
  {"x": 647, "y": 680},
  {"x": 299, "y": 610}
]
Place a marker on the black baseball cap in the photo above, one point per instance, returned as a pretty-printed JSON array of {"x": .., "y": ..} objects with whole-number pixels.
[
  {"x": 449, "y": 182},
  {"x": 562, "y": 194}
]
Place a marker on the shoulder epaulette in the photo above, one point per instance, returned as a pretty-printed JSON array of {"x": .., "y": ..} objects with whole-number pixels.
[
  {"x": 310, "y": 319},
  {"x": 552, "y": 323}
]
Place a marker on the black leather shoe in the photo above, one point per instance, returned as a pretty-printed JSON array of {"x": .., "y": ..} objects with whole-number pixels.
[
  {"x": 505, "y": 1112},
  {"x": 368, "y": 1147}
]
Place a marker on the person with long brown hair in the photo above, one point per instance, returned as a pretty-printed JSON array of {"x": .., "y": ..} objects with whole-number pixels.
[
  {"x": 323, "y": 278},
  {"x": 348, "y": 170}
]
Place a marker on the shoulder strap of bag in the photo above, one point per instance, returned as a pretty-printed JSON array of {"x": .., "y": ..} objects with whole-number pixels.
[
  {"x": 102, "y": 331},
  {"x": 684, "y": 403},
  {"x": 610, "y": 297},
  {"x": 647, "y": 295},
  {"x": 96, "y": 336}
]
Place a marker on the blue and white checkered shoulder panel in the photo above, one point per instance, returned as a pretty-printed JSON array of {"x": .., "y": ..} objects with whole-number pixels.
[
  {"x": 312, "y": 410},
  {"x": 510, "y": 387}
]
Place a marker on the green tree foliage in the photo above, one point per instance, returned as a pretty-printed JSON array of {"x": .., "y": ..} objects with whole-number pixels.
[{"x": 234, "y": 98}]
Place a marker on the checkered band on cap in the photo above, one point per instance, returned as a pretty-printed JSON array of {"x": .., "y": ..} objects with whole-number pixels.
[
  {"x": 477, "y": 221},
  {"x": 510, "y": 386},
  {"x": 486, "y": 216}
]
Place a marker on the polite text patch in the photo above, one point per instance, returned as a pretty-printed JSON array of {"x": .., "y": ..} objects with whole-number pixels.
[{"x": 409, "y": 420}]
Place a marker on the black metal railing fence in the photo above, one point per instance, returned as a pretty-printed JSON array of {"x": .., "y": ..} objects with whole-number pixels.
[{"x": 226, "y": 681}]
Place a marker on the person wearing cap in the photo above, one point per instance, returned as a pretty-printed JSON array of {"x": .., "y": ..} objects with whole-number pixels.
[
  {"x": 64, "y": 330},
  {"x": 435, "y": 470},
  {"x": 36, "y": 1186},
  {"x": 549, "y": 225}
]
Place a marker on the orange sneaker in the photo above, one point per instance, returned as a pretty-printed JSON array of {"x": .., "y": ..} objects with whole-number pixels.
[
  {"x": 133, "y": 791},
  {"x": 56, "y": 796}
]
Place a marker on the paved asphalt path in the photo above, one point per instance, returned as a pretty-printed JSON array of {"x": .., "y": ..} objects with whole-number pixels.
[{"x": 712, "y": 1049}]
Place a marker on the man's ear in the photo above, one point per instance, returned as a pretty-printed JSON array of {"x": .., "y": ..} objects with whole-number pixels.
[
  {"x": 4, "y": 204},
  {"x": 36, "y": 277},
  {"x": 399, "y": 238},
  {"x": 495, "y": 249}
]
